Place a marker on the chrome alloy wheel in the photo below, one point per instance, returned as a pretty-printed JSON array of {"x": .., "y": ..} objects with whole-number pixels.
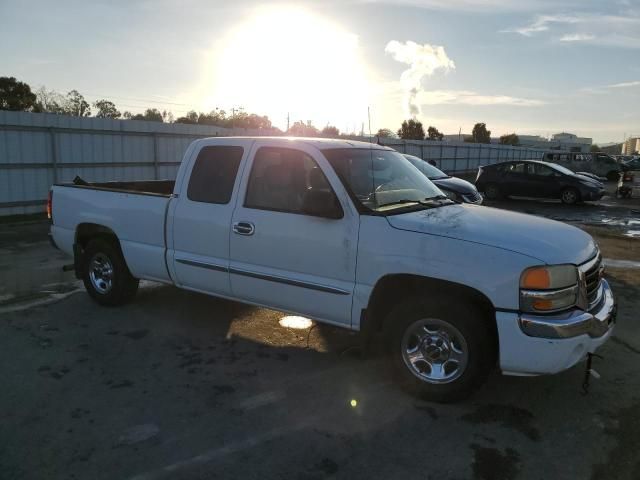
[
  {"x": 434, "y": 350},
  {"x": 101, "y": 273}
]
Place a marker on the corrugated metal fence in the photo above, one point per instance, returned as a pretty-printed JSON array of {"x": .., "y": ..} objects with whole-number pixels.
[{"x": 37, "y": 150}]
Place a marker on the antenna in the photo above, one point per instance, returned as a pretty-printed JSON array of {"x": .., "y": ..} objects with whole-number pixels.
[{"x": 373, "y": 172}]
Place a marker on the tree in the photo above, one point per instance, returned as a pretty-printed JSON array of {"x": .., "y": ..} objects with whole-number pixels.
[
  {"x": 594, "y": 148},
  {"x": 434, "y": 134},
  {"x": 106, "y": 109},
  {"x": 385, "y": 133},
  {"x": 190, "y": 118},
  {"x": 16, "y": 96},
  {"x": 76, "y": 105},
  {"x": 480, "y": 134},
  {"x": 49, "y": 101},
  {"x": 411, "y": 130},
  {"x": 510, "y": 139},
  {"x": 330, "y": 131},
  {"x": 301, "y": 129},
  {"x": 150, "y": 115}
]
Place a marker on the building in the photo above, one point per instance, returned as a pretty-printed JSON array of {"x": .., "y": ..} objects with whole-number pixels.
[
  {"x": 559, "y": 141},
  {"x": 631, "y": 146}
]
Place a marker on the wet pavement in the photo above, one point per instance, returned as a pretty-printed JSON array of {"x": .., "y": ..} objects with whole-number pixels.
[{"x": 184, "y": 386}]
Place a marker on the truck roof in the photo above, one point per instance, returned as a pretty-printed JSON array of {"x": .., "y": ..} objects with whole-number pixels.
[{"x": 320, "y": 143}]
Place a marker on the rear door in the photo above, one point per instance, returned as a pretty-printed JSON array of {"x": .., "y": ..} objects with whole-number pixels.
[
  {"x": 543, "y": 181},
  {"x": 201, "y": 219},
  {"x": 282, "y": 257},
  {"x": 514, "y": 179}
]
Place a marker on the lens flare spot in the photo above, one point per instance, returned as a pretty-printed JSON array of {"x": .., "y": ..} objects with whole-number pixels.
[
  {"x": 292, "y": 321},
  {"x": 354, "y": 403}
]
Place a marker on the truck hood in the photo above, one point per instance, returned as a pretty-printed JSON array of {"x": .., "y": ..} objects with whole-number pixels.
[{"x": 549, "y": 241}]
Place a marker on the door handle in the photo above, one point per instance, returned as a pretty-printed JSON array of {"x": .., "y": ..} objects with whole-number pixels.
[{"x": 244, "y": 228}]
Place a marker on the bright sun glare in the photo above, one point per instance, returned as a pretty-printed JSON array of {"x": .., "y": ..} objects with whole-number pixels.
[{"x": 291, "y": 60}]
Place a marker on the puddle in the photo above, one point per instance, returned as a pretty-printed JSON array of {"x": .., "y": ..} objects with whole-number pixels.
[{"x": 632, "y": 233}]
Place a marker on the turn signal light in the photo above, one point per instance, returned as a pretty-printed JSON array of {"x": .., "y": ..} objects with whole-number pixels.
[{"x": 536, "y": 278}]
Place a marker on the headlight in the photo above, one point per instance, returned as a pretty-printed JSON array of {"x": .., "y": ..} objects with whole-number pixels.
[{"x": 549, "y": 288}]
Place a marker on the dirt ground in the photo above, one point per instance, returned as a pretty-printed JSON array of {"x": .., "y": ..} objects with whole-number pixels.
[{"x": 180, "y": 385}]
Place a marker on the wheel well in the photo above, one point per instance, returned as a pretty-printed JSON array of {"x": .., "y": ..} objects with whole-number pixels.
[
  {"x": 391, "y": 289},
  {"x": 86, "y": 232}
]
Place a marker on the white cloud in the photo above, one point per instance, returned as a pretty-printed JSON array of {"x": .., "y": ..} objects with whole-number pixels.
[
  {"x": 634, "y": 83},
  {"x": 423, "y": 61},
  {"x": 576, "y": 37},
  {"x": 465, "y": 97},
  {"x": 542, "y": 23},
  {"x": 477, "y": 6},
  {"x": 617, "y": 30}
]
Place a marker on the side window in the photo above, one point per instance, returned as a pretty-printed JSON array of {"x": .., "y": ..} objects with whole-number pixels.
[
  {"x": 540, "y": 170},
  {"x": 281, "y": 177},
  {"x": 517, "y": 168},
  {"x": 214, "y": 174}
]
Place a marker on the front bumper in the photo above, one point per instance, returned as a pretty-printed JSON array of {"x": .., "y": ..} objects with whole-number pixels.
[
  {"x": 575, "y": 322},
  {"x": 592, "y": 194},
  {"x": 537, "y": 345}
]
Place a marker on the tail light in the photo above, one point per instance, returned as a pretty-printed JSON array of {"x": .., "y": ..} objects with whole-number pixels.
[
  {"x": 50, "y": 205},
  {"x": 627, "y": 177}
]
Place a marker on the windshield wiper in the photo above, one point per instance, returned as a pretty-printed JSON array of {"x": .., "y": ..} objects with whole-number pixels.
[{"x": 427, "y": 202}]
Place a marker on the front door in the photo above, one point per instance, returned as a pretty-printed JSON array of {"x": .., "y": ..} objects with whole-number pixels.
[{"x": 283, "y": 257}]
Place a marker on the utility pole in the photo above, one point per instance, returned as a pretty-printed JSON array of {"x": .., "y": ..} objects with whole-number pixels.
[
  {"x": 287, "y": 121},
  {"x": 233, "y": 117}
]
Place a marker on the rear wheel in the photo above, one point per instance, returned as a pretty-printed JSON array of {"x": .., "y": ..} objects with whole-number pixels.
[
  {"x": 440, "y": 352},
  {"x": 570, "y": 196},
  {"x": 105, "y": 274},
  {"x": 492, "y": 191}
]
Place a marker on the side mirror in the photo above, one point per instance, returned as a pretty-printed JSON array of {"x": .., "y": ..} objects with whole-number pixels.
[{"x": 321, "y": 203}]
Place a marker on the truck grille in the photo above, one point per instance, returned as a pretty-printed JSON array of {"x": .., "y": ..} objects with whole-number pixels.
[{"x": 593, "y": 279}]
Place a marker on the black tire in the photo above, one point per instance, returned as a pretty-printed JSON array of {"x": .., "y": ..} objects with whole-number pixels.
[
  {"x": 492, "y": 191},
  {"x": 479, "y": 344},
  {"x": 96, "y": 259},
  {"x": 570, "y": 196}
]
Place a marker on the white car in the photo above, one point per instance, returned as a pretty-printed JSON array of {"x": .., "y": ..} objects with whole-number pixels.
[{"x": 353, "y": 235}]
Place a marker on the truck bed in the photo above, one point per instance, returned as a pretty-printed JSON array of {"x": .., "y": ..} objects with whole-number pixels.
[{"x": 144, "y": 187}]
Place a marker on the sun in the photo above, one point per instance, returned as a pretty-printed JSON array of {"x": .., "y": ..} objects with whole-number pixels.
[{"x": 288, "y": 60}]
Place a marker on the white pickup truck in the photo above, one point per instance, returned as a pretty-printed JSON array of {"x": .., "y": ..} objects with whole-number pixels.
[{"x": 350, "y": 234}]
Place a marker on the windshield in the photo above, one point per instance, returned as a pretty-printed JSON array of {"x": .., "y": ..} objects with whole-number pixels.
[
  {"x": 425, "y": 167},
  {"x": 560, "y": 169},
  {"x": 383, "y": 180}
]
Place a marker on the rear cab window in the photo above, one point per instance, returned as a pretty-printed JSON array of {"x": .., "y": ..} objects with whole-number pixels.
[{"x": 214, "y": 174}]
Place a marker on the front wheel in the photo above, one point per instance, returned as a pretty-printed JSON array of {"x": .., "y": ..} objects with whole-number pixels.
[
  {"x": 492, "y": 191},
  {"x": 440, "y": 352},
  {"x": 569, "y": 196},
  {"x": 105, "y": 274}
]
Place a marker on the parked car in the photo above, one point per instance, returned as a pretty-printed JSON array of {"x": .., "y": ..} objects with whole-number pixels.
[
  {"x": 533, "y": 178},
  {"x": 633, "y": 164},
  {"x": 350, "y": 234},
  {"x": 600, "y": 164},
  {"x": 456, "y": 189}
]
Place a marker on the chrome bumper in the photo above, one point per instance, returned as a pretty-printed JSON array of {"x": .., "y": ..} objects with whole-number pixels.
[{"x": 573, "y": 323}]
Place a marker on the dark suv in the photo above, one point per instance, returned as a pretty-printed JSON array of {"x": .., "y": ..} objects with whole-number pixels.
[{"x": 533, "y": 178}]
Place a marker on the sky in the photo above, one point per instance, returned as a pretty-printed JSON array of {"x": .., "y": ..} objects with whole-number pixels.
[{"x": 533, "y": 67}]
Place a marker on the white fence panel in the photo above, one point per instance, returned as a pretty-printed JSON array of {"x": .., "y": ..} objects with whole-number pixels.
[{"x": 37, "y": 150}]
